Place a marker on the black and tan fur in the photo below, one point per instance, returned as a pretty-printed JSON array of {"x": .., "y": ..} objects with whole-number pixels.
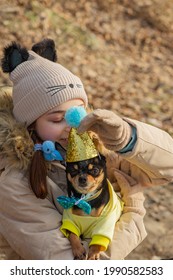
[{"x": 85, "y": 177}]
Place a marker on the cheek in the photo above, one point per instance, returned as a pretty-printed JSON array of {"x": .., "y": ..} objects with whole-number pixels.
[
  {"x": 73, "y": 180},
  {"x": 48, "y": 131},
  {"x": 91, "y": 180},
  {"x": 99, "y": 179}
]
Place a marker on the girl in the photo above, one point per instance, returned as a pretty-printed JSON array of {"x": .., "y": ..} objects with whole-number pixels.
[{"x": 30, "y": 181}]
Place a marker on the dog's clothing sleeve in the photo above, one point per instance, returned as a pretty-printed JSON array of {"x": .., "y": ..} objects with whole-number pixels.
[{"x": 100, "y": 229}]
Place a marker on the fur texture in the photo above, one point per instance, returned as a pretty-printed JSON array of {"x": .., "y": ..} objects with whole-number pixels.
[
  {"x": 16, "y": 146},
  {"x": 88, "y": 176},
  {"x": 14, "y": 55},
  {"x": 46, "y": 49}
]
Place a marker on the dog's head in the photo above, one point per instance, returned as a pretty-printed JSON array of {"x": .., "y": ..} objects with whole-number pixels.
[{"x": 87, "y": 175}]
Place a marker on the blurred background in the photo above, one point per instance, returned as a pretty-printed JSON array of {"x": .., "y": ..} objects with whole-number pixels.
[{"x": 123, "y": 52}]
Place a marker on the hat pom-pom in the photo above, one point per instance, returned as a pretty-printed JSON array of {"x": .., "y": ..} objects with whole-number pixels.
[
  {"x": 46, "y": 49},
  {"x": 75, "y": 115},
  {"x": 14, "y": 55}
]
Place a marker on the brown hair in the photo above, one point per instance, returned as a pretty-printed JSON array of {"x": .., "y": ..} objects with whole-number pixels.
[{"x": 38, "y": 169}]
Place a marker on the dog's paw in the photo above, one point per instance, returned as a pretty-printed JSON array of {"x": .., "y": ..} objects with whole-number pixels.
[
  {"x": 93, "y": 257},
  {"x": 78, "y": 249},
  {"x": 94, "y": 252},
  {"x": 79, "y": 253}
]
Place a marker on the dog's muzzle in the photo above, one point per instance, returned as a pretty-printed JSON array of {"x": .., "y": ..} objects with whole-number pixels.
[{"x": 82, "y": 180}]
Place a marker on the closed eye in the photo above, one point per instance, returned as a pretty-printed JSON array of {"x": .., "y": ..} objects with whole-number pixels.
[{"x": 57, "y": 121}]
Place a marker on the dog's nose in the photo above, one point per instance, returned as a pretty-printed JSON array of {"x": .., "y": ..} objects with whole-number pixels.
[{"x": 82, "y": 180}]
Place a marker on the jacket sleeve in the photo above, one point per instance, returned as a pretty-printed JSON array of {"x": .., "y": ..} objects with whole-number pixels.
[
  {"x": 153, "y": 152},
  {"x": 129, "y": 230},
  {"x": 30, "y": 225}
]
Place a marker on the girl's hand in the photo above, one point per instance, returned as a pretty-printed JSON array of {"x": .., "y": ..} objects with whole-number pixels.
[{"x": 114, "y": 132}]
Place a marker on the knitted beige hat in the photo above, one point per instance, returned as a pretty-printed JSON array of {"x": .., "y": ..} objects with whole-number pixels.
[{"x": 39, "y": 85}]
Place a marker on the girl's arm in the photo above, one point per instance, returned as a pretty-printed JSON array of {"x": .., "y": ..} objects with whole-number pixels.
[
  {"x": 129, "y": 230},
  {"x": 152, "y": 152}
]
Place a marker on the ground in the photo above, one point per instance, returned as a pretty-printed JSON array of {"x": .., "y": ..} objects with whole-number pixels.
[{"x": 122, "y": 51}]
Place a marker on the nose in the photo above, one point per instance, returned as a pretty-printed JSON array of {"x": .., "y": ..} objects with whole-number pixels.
[
  {"x": 67, "y": 128},
  {"x": 82, "y": 180}
]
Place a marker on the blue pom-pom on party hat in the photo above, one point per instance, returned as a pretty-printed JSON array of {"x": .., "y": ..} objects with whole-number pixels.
[
  {"x": 75, "y": 115},
  {"x": 80, "y": 146}
]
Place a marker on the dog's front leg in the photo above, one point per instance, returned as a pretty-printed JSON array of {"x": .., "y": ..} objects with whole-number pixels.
[
  {"x": 78, "y": 250},
  {"x": 94, "y": 252}
]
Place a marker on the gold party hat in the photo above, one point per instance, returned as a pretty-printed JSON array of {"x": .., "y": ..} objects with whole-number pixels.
[{"x": 80, "y": 147}]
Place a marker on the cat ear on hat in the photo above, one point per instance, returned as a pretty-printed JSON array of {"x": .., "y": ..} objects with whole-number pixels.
[
  {"x": 46, "y": 49},
  {"x": 14, "y": 55}
]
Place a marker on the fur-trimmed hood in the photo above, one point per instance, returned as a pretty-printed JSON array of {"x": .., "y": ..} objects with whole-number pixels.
[{"x": 16, "y": 145}]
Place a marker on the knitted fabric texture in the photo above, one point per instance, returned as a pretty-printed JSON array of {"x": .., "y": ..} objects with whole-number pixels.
[{"x": 40, "y": 85}]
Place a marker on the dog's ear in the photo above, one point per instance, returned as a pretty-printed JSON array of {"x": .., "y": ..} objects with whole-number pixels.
[
  {"x": 102, "y": 159},
  {"x": 46, "y": 49},
  {"x": 14, "y": 55}
]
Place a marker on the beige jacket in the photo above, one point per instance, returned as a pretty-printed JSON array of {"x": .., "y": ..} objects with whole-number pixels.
[{"x": 29, "y": 226}]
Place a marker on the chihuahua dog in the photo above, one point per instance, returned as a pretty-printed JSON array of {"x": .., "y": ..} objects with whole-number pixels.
[{"x": 87, "y": 178}]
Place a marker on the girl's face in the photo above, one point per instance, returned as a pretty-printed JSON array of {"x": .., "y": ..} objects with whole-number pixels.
[{"x": 52, "y": 125}]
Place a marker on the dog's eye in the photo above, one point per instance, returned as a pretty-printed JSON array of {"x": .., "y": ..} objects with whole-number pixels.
[
  {"x": 94, "y": 171},
  {"x": 73, "y": 172}
]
